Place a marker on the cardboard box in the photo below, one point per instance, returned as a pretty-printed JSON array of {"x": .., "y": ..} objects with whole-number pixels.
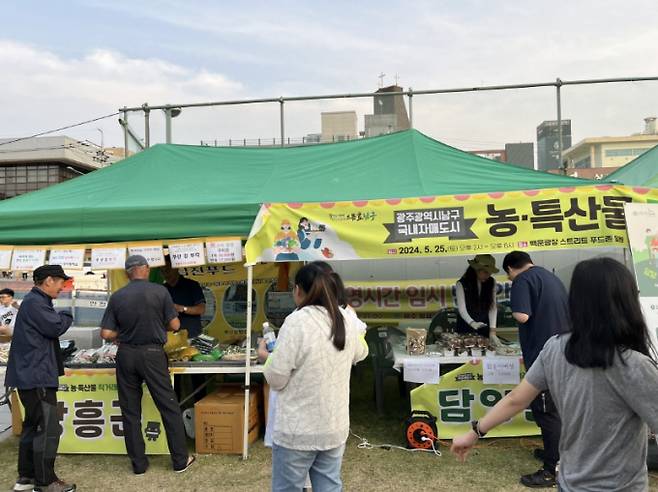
[{"x": 219, "y": 420}]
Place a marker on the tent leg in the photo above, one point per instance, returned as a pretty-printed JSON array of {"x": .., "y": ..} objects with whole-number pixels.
[{"x": 247, "y": 367}]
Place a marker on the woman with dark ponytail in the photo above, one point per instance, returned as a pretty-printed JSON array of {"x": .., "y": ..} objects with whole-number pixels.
[{"x": 310, "y": 367}]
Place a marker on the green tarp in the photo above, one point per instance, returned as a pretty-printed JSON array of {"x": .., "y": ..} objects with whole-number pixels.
[
  {"x": 176, "y": 191},
  {"x": 641, "y": 171}
]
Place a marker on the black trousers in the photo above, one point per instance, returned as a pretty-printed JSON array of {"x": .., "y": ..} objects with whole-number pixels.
[
  {"x": 148, "y": 363},
  {"x": 548, "y": 420},
  {"x": 37, "y": 449}
]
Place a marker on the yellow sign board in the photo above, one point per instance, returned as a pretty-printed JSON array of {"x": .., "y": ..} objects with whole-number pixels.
[
  {"x": 461, "y": 397},
  {"x": 90, "y": 417},
  {"x": 559, "y": 218}
]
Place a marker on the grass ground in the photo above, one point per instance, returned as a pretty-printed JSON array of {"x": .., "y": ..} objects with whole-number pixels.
[{"x": 495, "y": 466}]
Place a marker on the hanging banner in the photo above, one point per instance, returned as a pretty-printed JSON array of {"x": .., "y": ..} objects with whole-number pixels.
[
  {"x": 186, "y": 254},
  {"x": 69, "y": 257},
  {"x": 152, "y": 251},
  {"x": 395, "y": 300},
  {"x": 90, "y": 418},
  {"x": 462, "y": 396},
  {"x": 559, "y": 218},
  {"x": 225, "y": 291},
  {"x": 5, "y": 257},
  {"x": 27, "y": 259},
  {"x": 642, "y": 224},
  {"x": 223, "y": 250}
]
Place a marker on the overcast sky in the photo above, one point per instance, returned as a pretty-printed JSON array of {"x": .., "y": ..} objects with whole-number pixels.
[{"x": 68, "y": 61}]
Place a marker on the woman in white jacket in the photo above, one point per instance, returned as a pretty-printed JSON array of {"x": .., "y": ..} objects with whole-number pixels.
[{"x": 310, "y": 367}]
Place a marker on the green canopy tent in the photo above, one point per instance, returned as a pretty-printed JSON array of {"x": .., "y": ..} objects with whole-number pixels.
[
  {"x": 641, "y": 171},
  {"x": 181, "y": 191}
]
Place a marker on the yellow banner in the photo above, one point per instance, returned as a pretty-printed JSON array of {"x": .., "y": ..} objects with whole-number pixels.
[
  {"x": 90, "y": 416},
  {"x": 559, "y": 218},
  {"x": 225, "y": 290},
  {"x": 388, "y": 300},
  {"x": 461, "y": 397}
]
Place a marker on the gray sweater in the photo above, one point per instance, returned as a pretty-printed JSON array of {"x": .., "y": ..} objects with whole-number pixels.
[{"x": 603, "y": 444}]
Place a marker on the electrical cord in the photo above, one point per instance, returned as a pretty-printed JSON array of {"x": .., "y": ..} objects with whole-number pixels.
[
  {"x": 40, "y": 134},
  {"x": 365, "y": 444}
]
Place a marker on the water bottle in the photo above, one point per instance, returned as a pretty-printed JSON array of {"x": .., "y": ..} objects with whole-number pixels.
[{"x": 269, "y": 336}]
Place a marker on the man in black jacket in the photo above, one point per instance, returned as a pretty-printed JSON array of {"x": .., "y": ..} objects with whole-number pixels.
[{"x": 34, "y": 366}]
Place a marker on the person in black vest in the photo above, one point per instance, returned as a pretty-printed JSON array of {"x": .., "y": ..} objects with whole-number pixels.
[
  {"x": 138, "y": 316},
  {"x": 34, "y": 366},
  {"x": 476, "y": 298}
]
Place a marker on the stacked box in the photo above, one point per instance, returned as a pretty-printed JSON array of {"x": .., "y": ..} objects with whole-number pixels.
[{"x": 219, "y": 420}]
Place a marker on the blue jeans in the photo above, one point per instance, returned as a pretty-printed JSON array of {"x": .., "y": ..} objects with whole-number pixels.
[{"x": 290, "y": 466}]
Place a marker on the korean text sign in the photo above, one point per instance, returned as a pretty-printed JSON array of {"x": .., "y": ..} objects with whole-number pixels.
[
  {"x": 564, "y": 218},
  {"x": 462, "y": 396}
]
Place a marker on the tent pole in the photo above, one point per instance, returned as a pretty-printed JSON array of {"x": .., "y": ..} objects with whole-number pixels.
[
  {"x": 281, "y": 122},
  {"x": 247, "y": 367},
  {"x": 558, "y": 86},
  {"x": 125, "y": 133},
  {"x": 147, "y": 125}
]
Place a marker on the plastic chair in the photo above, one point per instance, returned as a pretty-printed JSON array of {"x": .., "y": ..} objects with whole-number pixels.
[
  {"x": 505, "y": 318},
  {"x": 444, "y": 320},
  {"x": 381, "y": 353}
]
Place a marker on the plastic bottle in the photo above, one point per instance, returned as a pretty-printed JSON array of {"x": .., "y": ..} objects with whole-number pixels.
[{"x": 269, "y": 336}]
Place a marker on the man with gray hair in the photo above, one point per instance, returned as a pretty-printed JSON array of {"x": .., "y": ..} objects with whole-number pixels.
[{"x": 137, "y": 317}]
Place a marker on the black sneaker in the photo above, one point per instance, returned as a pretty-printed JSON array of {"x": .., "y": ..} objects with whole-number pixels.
[
  {"x": 24, "y": 483},
  {"x": 191, "y": 459},
  {"x": 540, "y": 479},
  {"x": 539, "y": 454},
  {"x": 57, "y": 486}
]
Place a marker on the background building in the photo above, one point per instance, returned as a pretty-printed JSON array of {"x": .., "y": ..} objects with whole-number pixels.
[
  {"x": 521, "y": 154},
  {"x": 338, "y": 126},
  {"x": 36, "y": 163},
  {"x": 389, "y": 113},
  {"x": 494, "y": 154},
  {"x": 611, "y": 152},
  {"x": 548, "y": 146}
]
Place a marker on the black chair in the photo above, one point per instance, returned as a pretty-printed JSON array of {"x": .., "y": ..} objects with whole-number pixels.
[
  {"x": 380, "y": 341},
  {"x": 444, "y": 320}
]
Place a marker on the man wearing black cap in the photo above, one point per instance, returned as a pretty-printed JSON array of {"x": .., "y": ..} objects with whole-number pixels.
[
  {"x": 137, "y": 317},
  {"x": 34, "y": 366}
]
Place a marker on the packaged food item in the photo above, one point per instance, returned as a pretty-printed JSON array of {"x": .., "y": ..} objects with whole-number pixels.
[{"x": 416, "y": 338}]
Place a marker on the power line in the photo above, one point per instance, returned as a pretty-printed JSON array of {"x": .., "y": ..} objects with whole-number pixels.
[{"x": 40, "y": 134}]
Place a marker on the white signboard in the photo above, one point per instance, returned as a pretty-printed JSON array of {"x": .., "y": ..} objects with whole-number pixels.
[
  {"x": 108, "y": 258},
  {"x": 28, "y": 259},
  {"x": 642, "y": 226},
  {"x": 421, "y": 370},
  {"x": 5, "y": 258},
  {"x": 224, "y": 251},
  {"x": 187, "y": 254},
  {"x": 500, "y": 370},
  {"x": 152, "y": 252},
  {"x": 69, "y": 258}
]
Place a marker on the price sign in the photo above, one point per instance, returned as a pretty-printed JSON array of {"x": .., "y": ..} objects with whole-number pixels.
[
  {"x": 152, "y": 252},
  {"x": 69, "y": 258},
  {"x": 5, "y": 258},
  {"x": 501, "y": 370},
  {"x": 421, "y": 370},
  {"x": 186, "y": 254},
  {"x": 223, "y": 250},
  {"x": 106, "y": 258},
  {"x": 28, "y": 259}
]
